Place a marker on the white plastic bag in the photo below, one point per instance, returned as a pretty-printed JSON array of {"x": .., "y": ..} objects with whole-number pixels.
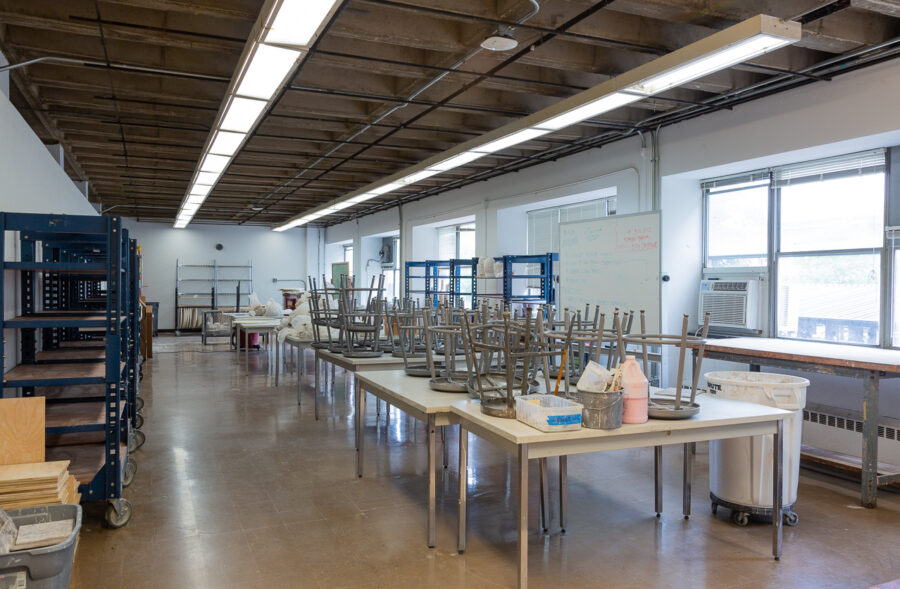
[
  {"x": 594, "y": 378},
  {"x": 274, "y": 309}
]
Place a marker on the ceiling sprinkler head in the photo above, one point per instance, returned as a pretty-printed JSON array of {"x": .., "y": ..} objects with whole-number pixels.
[{"x": 502, "y": 41}]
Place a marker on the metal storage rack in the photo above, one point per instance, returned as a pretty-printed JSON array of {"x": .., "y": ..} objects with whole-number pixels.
[
  {"x": 463, "y": 282},
  {"x": 87, "y": 367},
  {"x": 411, "y": 274},
  {"x": 206, "y": 287},
  {"x": 545, "y": 277}
]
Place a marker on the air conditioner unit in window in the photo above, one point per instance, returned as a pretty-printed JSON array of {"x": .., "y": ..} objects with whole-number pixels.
[{"x": 730, "y": 303}]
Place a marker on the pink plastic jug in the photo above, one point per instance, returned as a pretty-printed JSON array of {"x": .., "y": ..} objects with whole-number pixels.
[{"x": 636, "y": 392}]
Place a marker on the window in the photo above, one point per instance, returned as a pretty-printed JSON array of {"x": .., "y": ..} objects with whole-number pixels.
[
  {"x": 828, "y": 223},
  {"x": 348, "y": 257},
  {"x": 737, "y": 217},
  {"x": 456, "y": 241},
  {"x": 392, "y": 272},
  {"x": 543, "y": 224}
]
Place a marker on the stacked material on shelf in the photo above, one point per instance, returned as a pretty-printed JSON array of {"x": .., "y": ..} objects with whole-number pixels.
[{"x": 37, "y": 483}]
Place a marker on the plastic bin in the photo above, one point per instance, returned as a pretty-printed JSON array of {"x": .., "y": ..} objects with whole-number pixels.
[
  {"x": 549, "y": 413},
  {"x": 740, "y": 469},
  {"x": 41, "y": 568}
]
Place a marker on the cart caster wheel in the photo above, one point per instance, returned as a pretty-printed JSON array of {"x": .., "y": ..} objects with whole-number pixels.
[
  {"x": 139, "y": 421},
  {"x": 741, "y": 518},
  {"x": 139, "y": 403},
  {"x": 714, "y": 508},
  {"x": 791, "y": 519},
  {"x": 118, "y": 513},
  {"x": 136, "y": 439},
  {"x": 130, "y": 470}
]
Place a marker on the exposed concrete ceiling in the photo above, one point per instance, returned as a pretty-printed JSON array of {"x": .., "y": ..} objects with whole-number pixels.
[{"x": 133, "y": 122}]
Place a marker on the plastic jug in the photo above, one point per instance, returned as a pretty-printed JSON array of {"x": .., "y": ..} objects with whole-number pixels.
[{"x": 636, "y": 392}]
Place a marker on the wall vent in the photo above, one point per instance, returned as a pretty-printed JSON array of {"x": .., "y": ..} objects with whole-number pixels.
[{"x": 853, "y": 425}]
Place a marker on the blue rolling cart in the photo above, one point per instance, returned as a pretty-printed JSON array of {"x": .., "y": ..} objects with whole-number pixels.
[{"x": 86, "y": 365}]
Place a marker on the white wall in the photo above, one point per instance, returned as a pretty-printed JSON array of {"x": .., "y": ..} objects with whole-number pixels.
[
  {"x": 848, "y": 114},
  {"x": 273, "y": 255},
  {"x": 30, "y": 182}
]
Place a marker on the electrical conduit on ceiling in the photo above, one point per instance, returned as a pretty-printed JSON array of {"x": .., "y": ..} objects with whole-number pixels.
[{"x": 429, "y": 84}]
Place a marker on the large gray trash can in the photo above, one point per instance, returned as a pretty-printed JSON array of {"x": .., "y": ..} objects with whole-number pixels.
[{"x": 41, "y": 568}]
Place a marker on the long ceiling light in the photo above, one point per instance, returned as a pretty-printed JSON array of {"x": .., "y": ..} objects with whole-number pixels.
[
  {"x": 746, "y": 40},
  {"x": 280, "y": 40}
]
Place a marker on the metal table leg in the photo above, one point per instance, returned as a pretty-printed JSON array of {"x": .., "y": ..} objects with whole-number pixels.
[
  {"x": 277, "y": 359},
  {"x": 431, "y": 484},
  {"x": 870, "y": 440},
  {"x": 657, "y": 474},
  {"x": 523, "y": 517},
  {"x": 687, "y": 476},
  {"x": 237, "y": 342},
  {"x": 545, "y": 495},
  {"x": 360, "y": 430},
  {"x": 316, "y": 388},
  {"x": 356, "y": 392},
  {"x": 777, "y": 473},
  {"x": 463, "y": 489},
  {"x": 299, "y": 381},
  {"x": 444, "y": 446},
  {"x": 563, "y": 491}
]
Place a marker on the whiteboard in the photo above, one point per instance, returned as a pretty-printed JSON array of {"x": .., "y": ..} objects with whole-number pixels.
[{"x": 612, "y": 262}]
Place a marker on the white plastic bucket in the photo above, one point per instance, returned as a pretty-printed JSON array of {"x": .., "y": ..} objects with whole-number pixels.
[{"x": 740, "y": 469}]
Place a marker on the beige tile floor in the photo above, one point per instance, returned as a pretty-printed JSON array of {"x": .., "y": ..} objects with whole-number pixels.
[{"x": 239, "y": 487}]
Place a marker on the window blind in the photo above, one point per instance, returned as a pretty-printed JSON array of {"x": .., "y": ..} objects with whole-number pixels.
[
  {"x": 855, "y": 164},
  {"x": 543, "y": 224}
]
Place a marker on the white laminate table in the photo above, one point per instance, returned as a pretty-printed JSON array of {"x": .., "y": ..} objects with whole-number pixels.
[
  {"x": 299, "y": 344},
  {"x": 413, "y": 396},
  {"x": 260, "y": 325},
  {"x": 718, "y": 419},
  {"x": 386, "y": 361}
]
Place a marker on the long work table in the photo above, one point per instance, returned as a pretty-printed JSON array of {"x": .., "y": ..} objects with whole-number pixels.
[
  {"x": 718, "y": 419},
  {"x": 869, "y": 364}
]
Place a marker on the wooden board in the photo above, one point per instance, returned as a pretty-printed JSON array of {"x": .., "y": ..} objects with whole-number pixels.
[
  {"x": 75, "y": 391},
  {"x": 821, "y": 353},
  {"x": 812, "y": 457},
  {"x": 74, "y": 414},
  {"x": 86, "y": 460},
  {"x": 57, "y": 316},
  {"x": 43, "y": 534},
  {"x": 38, "y": 372},
  {"x": 22, "y": 430},
  {"x": 85, "y": 343},
  {"x": 76, "y": 354}
]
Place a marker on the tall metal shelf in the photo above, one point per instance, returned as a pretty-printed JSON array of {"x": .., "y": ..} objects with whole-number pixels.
[
  {"x": 78, "y": 288},
  {"x": 209, "y": 287}
]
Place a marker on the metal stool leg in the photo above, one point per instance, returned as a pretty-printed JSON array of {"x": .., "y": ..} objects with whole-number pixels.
[
  {"x": 687, "y": 476},
  {"x": 657, "y": 473}
]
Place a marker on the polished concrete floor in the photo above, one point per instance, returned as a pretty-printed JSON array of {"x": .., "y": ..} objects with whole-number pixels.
[{"x": 239, "y": 487}]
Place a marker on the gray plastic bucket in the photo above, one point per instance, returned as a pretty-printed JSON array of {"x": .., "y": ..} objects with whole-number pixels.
[
  {"x": 601, "y": 410},
  {"x": 41, "y": 568}
]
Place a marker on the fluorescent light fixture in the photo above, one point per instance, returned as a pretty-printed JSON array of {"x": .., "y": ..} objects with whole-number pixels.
[
  {"x": 297, "y": 21},
  {"x": 200, "y": 190},
  {"x": 189, "y": 209},
  {"x": 707, "y": 64},
  {"x": 386, "y": 188},
  {"x": 215, "y": 163},
  {"x": 241, "y": 114},
  {"x": 194, "y": 199},
  {"x": 226, "y": 143},
  {"x": 418, "y": 176},
  {"x": 207, "y": 178},
  {"x": 457, "y": 161},
  {"x": 591, "y": 109},
  {"x": 510, "y": 140},
  {"x": 266, "y": 72},
  {"x": 362, "y": 198},
  {"x": 346, "y": 204},
  {"x": 181, "y": 224}
]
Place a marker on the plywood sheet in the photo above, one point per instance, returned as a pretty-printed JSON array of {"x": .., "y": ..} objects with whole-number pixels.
[
  {"x": 37, "y": 372},
  {"x": 75, "y": 391},
  {"x": 21, "y": 430},
  {"x": 43, "y": 534},
  {"x": 17, "y": 474},
  {"x": 76, "y": 354},
  {"x": 72, "y": 414},
  {"x": 86, "y": 459}
]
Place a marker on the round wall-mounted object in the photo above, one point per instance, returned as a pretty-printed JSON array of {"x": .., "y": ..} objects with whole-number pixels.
[{"x": 220, "y": 247}]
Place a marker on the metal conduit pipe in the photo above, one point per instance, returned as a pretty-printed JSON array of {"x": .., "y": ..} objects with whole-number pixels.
[
  {"x": 116, "y": 66},
  {"x": 459, "y": 63}
]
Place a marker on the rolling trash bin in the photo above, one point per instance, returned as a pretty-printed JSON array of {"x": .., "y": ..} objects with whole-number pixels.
[
  {"x": 740, "y": 469},
  {"x": 41, "y": 568}
]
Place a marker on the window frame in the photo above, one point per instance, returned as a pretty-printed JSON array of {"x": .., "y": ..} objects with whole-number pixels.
[{"x": 774, "y": 254}]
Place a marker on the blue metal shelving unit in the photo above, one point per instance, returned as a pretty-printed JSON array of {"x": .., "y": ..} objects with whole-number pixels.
[
  {"x": 88, "y": 289},
  {"x": 513, "y": 276},
  {"x": 462, "y": 280}
]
